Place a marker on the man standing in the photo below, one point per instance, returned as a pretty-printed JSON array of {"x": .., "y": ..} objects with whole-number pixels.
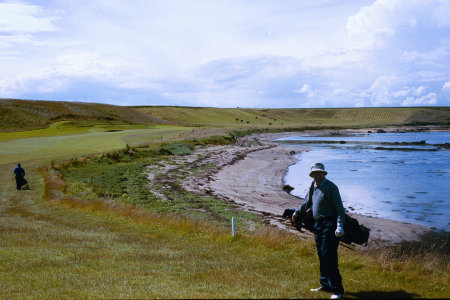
[
  {"x": 20, "y": 174},
  {"x": 329, "y": 214}
]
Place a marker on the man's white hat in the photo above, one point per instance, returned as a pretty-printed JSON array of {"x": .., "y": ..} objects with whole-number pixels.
[{"x": 318, "y": 167}]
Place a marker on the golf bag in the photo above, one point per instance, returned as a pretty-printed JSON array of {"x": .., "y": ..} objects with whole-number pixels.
[
  {"x": 354, "y": 232},
  {"x": 20, "y": 181}
]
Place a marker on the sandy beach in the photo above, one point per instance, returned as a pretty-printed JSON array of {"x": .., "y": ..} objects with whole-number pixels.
[{"x": 251, "y": 173}]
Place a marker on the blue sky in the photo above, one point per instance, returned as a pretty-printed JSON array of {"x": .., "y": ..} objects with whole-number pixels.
[{"x": 227, "y": 53}]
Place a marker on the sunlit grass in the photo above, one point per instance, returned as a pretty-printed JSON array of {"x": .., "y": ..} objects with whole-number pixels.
[
  {"x": 106, "y": 245},
  {"x": 245, "y": 118},
  {"x": 109, "y": 250},
  {"x": 79, "y": 127},
  {"x": 91, "y": 141}
]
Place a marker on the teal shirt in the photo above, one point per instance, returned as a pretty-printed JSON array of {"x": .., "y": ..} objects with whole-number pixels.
[{"x": 326, "y": 202}]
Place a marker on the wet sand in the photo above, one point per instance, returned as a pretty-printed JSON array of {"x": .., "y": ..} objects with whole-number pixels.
[{"x": 251, "y": 175}]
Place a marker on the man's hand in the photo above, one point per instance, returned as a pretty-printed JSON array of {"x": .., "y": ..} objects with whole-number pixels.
[{"x": 339, "y": 230}]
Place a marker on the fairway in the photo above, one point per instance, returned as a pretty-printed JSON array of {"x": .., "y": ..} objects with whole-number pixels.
[{"x": 49, "y": 148}]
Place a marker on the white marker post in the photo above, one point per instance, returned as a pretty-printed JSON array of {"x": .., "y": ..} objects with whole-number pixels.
[{"x": 233, "y": 226}]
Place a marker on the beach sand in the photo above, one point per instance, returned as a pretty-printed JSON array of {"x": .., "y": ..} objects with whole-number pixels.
[{"x": 251, "y": 173}]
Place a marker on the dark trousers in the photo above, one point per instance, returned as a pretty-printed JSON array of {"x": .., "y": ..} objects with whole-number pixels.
[
  {"x": 20, "y": 181},
  {"x": 327, "y": 244}
]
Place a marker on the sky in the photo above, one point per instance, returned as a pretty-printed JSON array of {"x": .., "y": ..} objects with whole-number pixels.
[{"x": 227, "y": 53}]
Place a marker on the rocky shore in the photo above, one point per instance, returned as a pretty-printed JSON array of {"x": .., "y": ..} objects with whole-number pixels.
[{"x": 251, "y": 173}]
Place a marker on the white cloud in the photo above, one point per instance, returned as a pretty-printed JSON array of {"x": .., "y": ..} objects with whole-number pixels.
[
  {"x": 228, "y": 53},
  {"x": 446, "y": 86},
  {"x": 21, "y": 18},
  {"x": 429, "y": 99},
  {"x": 305, "y": 89},
  {"x": 402, "y": 93},
  {"x": 410, "y": 91},
  {"x": 371, "y": 23},
  {"x": 387, "y": 21}
]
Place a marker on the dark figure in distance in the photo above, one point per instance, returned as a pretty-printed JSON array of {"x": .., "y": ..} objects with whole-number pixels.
[
  {"x": 329, "y": 214},
  {"x": 20, "y": 174}
]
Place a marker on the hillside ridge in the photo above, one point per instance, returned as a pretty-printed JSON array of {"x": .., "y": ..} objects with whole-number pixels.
[{"x": 20, "y": 115}]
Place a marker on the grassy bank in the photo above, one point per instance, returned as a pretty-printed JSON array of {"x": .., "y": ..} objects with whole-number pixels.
[
  {"x": 75, "y": 248},
  {"x": 122, "y": 176},
  {"x": 258, "y": 263}
]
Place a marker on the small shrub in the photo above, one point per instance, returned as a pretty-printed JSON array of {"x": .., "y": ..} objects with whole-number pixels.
[{"x": 176, "y": 149}]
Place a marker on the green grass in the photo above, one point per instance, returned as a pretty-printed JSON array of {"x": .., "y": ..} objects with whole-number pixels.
[
  {"x": 120, "y": 176},
  {"x": 67, "y": 144},
  {"x": 74, "y": 251},
  {"x": 68, "y": 128},
  {"x": 297, "y": 118},
  {"x": 20, "y": 115},
  {"x": 112, "y": 236}
]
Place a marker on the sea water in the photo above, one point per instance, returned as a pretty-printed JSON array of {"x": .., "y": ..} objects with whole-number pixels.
[{"x": 400, "y": 176}]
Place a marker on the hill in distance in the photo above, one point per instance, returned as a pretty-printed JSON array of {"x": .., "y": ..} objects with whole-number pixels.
[
  {"x": 20, "y": 115},
  {"x": 298, "y": 117}
]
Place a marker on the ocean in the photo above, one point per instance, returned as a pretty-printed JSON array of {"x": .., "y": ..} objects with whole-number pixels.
[{"x": 400, "y": 176}]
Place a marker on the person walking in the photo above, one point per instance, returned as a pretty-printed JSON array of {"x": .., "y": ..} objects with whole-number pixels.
[
  {"x": 20, "y": 174},
  {"x": 329, "y": 214}
]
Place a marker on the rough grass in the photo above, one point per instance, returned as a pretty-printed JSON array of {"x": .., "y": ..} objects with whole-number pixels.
[
  {"x": 121, "y": 176},
  {"x": 19, "y": 115},
  {"x": 118, "y": 247},
  {"x": 286, "y": 118},
  {"x": 109, "y": 250}
]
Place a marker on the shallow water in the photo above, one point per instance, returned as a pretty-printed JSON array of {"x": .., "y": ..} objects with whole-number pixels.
[{"x": 400, "y": 176}]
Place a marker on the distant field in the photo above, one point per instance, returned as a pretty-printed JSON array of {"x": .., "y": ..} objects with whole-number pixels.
[
  {"x": 50, "y": 130},
  {"x": 22, "y": 146},
  {"x": 66, "y": 128},
  {"x": 296, "y": 117},
  {"x": 21, "y": 115}
]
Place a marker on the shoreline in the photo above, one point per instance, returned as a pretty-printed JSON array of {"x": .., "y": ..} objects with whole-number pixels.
[{"x": 252, "y": 177}]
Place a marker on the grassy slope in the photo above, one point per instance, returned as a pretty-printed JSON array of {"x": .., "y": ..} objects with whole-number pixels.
[
  {"x": 19, "y": 115},
  {"x": 284, "y": 118},
  {"x": 26, "y": 115},
  {"x": 69, "y": 251}
]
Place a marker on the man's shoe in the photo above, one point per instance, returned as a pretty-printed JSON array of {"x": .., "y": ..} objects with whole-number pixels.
[
  {"x": 336, "y": 296},
  {"x": 319, "y": 289}
]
